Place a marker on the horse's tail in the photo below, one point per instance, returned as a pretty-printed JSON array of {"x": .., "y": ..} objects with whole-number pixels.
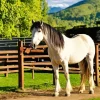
[{"x": 84, "y": 69}]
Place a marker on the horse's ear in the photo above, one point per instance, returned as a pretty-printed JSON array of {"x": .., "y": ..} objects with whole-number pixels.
[
  {"x": 33, "y": 21},
  {"x": 41, "y": 23}
]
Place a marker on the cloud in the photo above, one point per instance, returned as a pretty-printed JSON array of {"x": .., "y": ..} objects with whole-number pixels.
[{"x": 61, "y": 3}]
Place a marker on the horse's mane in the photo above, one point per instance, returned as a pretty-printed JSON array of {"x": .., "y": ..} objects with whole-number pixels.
[{"x": 55, "y": 36}]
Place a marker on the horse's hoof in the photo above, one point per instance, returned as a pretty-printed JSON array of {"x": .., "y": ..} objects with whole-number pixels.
[
  {"x": 91, "y": 92},
  {"x": 80, "y": 91},
  {"x": 67, "y": 94},
  {"x": 56, "y": 94}
]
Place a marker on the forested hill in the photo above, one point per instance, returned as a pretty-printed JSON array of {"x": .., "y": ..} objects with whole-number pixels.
[
  {"x": 86, "y": 9},
  {"x": 54, "y": 9}
]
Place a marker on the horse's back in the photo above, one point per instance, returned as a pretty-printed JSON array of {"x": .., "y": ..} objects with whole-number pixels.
[
  {"x": 89, "y": 41},
  {"x": 79, "y": 47}
]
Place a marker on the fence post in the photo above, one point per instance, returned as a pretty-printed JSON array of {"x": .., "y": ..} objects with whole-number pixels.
[
  {"x": 97, "y": 64},
  {"x": 33, "y": 73},
  {"x": 21, "y": 65}
]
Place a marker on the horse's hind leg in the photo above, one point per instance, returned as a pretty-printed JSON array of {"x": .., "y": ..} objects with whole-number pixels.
[
  {"x": 91, "y": 71},
  {"x": 83, "y": 68}
]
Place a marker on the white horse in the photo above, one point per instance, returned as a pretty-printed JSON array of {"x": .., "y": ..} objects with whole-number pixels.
[{"x": 63, "y": 51}]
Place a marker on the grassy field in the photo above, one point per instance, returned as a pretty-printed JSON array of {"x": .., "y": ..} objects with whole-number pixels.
[
  {"x": 42, "y": 80},
  {"x": 95, "y": 98}
]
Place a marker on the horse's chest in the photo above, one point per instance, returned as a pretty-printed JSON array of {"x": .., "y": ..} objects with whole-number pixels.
[{"x": 55, "y": 57}]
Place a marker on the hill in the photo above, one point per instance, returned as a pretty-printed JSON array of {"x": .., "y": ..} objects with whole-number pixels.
[
  {"x": 83, "y": 10},
  {"x": 54, "y": 9}
]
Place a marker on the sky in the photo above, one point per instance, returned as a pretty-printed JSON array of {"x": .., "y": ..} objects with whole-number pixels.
[{"x": 61, "y": 3}]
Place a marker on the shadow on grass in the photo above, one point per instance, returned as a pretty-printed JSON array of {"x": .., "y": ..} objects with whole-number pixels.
[
  {"x": 8, "y": 89},
  {"x": 32, "y": 87},
  {"x": 41, "y": 86}
]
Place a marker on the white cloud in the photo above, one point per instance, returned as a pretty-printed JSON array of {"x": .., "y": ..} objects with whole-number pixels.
[{"x": 61, "y": 3}]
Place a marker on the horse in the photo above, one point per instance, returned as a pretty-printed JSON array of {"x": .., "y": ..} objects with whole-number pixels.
[{"x": 63, "y": 51}]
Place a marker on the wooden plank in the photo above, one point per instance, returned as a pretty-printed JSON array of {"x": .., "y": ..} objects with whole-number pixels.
[
  {"x": 10, "y": 71},
  {"x": 11, "y": 61},
  {"x": 30, "y": 61},
  {"x": 9, "y": 52},
  {"x": 73, "y": 68},
  {"x": 37, "y": 50},
  {"x": 30, "y": 50},
  {"x": 38, "y": 68},
  {"x": 13, "y": 71},
  {"x": 8, "y": 66},
  {"x": 9, "y": 56},
  {"x": 38, "y": 63},
  {"x": 36, "y": 56}
]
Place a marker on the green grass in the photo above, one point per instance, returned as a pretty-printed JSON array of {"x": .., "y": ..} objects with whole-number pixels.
[
  {"x": 41, "y": 81},
  {"x": 95, "y": 98}
]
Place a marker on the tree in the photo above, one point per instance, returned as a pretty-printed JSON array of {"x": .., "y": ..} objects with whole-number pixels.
[
  {"x": 16, "y": 16},
  {"x": 44, "y": 10}
]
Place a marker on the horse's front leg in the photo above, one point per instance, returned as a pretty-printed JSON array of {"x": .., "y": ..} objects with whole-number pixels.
[
  {"x": 68, "y": 84},
  {"x": 57, "y": 84}
]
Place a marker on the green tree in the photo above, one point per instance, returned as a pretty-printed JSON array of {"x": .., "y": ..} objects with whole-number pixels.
[
  {"x": 16, "y": 16},
  {"x": 44, "y": 10}
]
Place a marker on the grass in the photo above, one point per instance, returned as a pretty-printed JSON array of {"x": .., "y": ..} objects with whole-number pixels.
[
  {"x": 95, "y": 98},
  {"x": 42, "y": 81}
]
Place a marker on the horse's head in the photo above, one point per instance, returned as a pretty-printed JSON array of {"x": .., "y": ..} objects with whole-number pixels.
[{"x": 37, "y": 35}]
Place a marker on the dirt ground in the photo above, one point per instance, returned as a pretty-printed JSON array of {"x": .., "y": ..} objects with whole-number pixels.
[{"x": 48, "y": 95}]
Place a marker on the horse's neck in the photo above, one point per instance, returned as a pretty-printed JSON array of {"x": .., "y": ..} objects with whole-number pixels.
[{"x": 49, "y": 43}]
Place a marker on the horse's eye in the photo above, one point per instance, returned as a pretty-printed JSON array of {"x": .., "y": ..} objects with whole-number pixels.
[{"x": 39, "y": 30}]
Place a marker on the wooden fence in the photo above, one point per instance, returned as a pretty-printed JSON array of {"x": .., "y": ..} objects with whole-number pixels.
[
  {"x": 8, "y": 61},
  {"x": 7, "y": 44},
  {"x": 23, "y": 64},
  {"x": 36, "y": 59}
]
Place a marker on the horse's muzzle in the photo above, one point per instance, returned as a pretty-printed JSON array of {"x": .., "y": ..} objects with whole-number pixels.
[{"x": 32, "y": 46}]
